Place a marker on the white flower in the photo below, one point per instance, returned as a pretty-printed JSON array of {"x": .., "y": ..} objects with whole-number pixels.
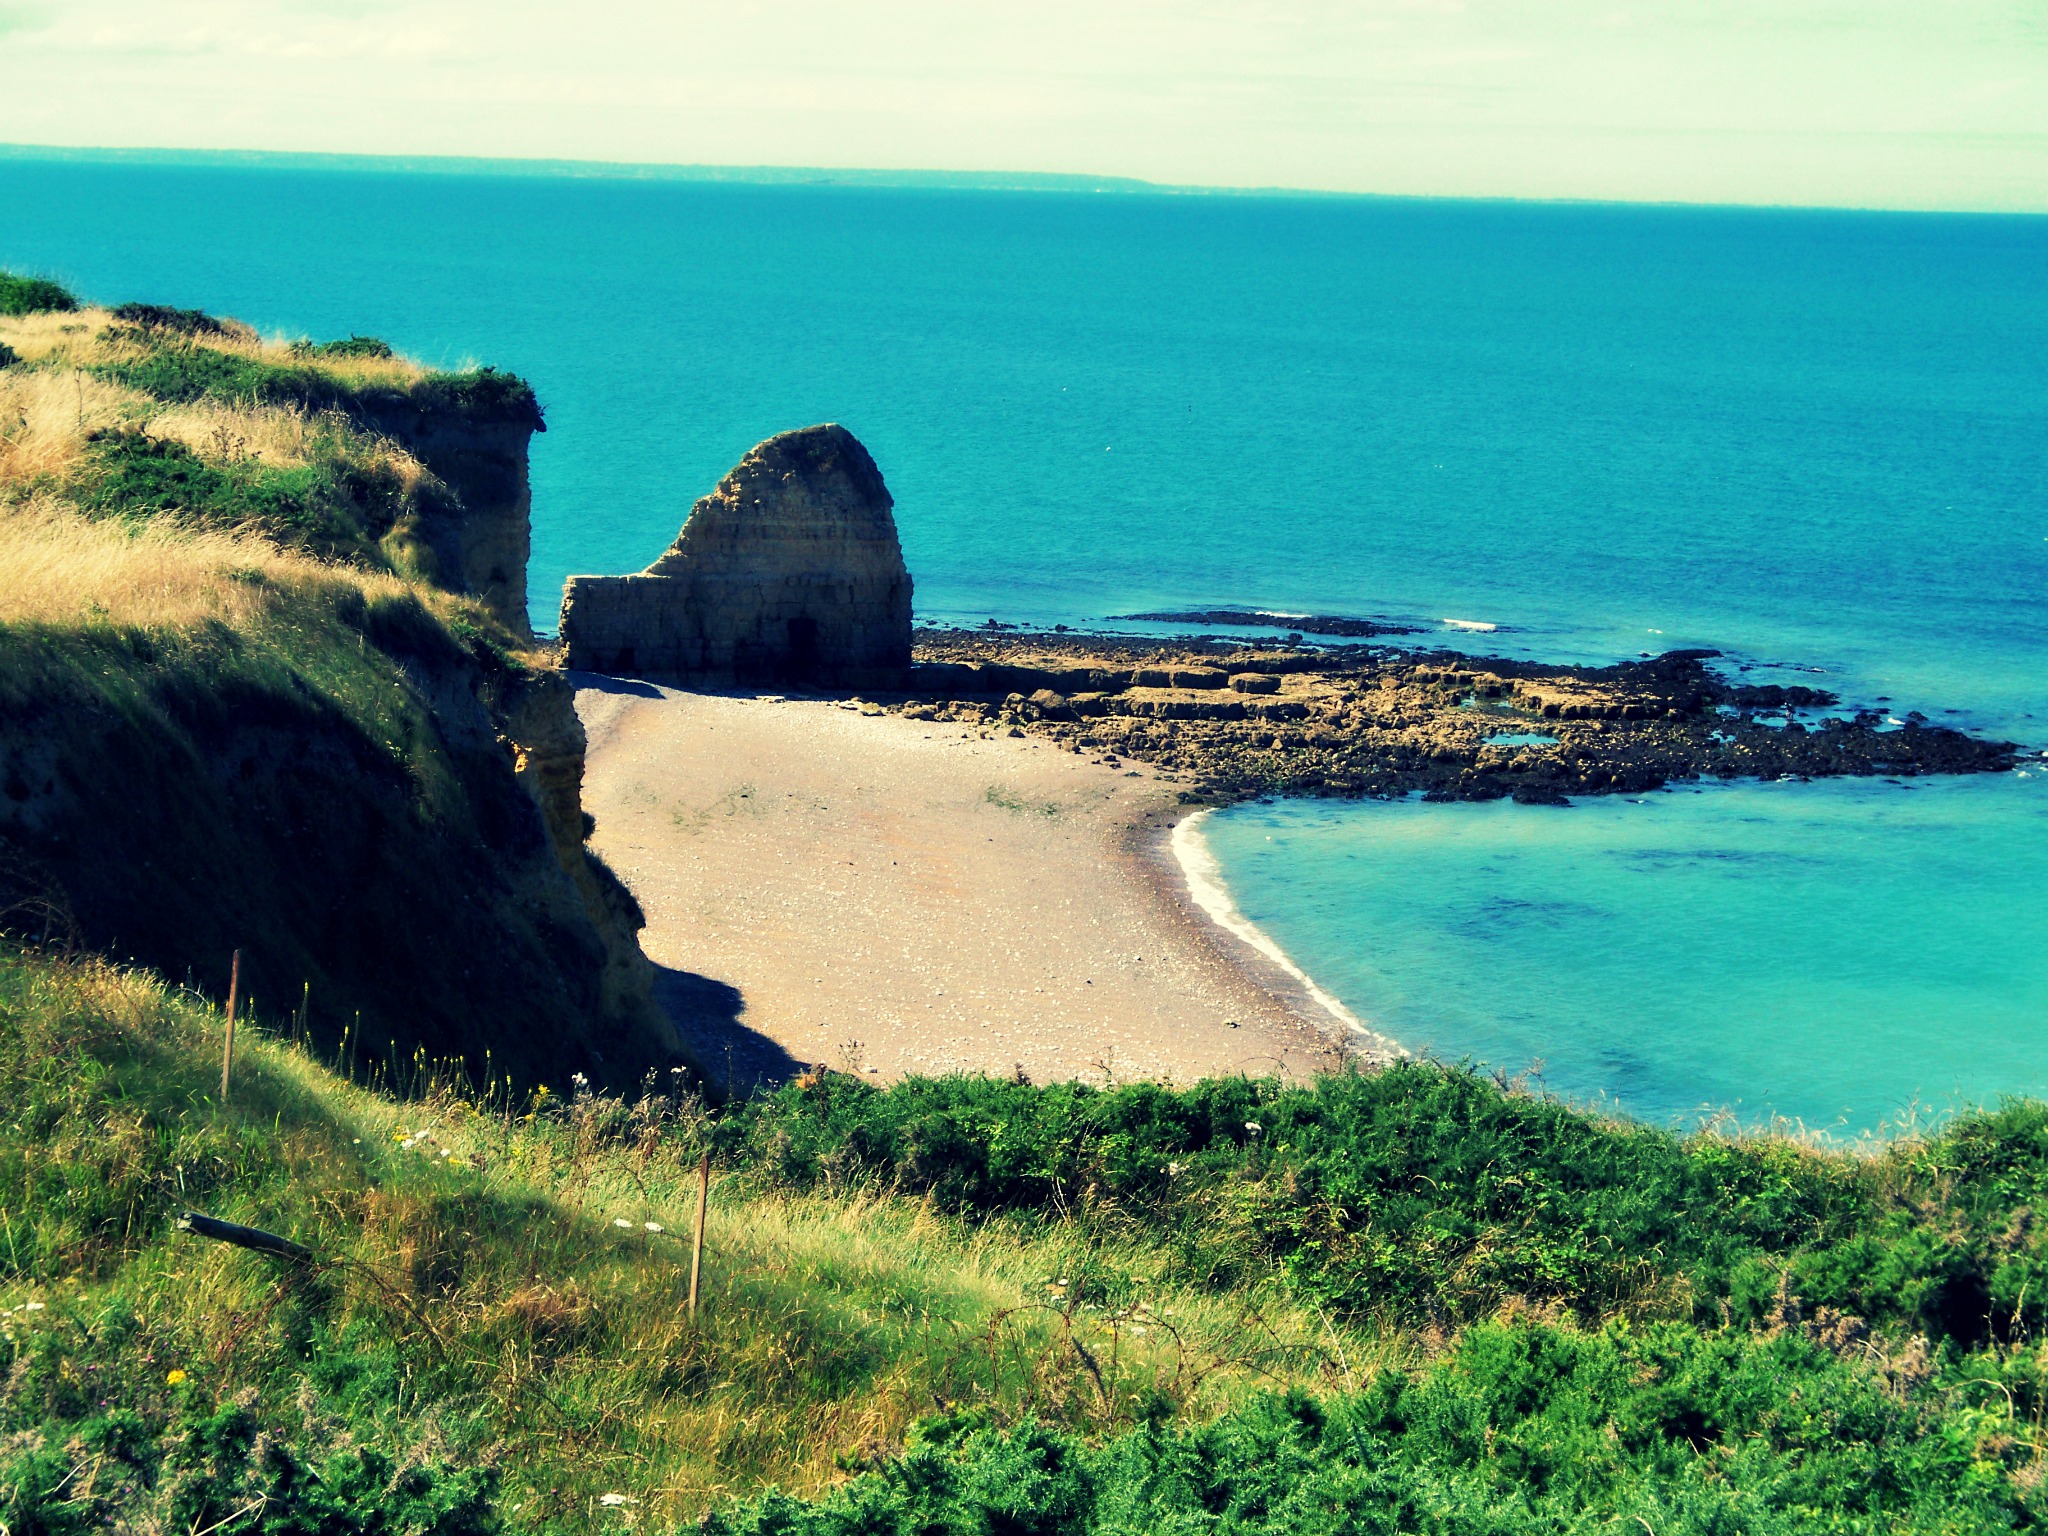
[
  {"x": 614, "y": 1500},
  {"x": 652, "y": 1226},
  {"x": 1253, "y": 1126},
  {"x": 34, "y": 1306},
  {"x": 620, "y": 1221}
]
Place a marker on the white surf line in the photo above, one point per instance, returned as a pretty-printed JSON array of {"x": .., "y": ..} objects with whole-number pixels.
[{"x": 1204, "y": 876}]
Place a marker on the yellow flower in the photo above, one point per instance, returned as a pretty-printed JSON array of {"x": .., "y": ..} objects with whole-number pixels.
[{"x": 175, "y": 1379}]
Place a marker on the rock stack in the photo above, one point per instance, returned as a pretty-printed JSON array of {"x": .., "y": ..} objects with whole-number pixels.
[{"x": 790, "y": 573}]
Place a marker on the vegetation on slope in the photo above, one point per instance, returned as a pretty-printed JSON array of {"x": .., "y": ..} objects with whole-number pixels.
[
  {"x": 492, "y": 1312},
  {"x": 239, "y": 708},
  {"x": 913, "y": 1324}
]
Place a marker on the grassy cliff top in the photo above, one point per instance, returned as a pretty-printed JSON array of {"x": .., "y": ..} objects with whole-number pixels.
[{"x": 211, "y": 451}]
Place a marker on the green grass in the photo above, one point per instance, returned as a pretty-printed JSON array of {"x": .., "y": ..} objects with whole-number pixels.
[
  {"x": 346, "y": 505},
  {"x": 179, "y": 372},
  {"x": 490, "y": 1308},
  {"x": 949, "y": 1329},
  {"x": 33, "y": 295}
]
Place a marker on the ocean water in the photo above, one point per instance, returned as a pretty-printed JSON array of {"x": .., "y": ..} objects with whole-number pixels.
[
  {"x": 1854, "y": 955},
  {"x": 1815, "y": 440}
]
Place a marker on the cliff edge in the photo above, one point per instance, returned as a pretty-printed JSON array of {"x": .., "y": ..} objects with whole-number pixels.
[{"x": 266, "y": 685}]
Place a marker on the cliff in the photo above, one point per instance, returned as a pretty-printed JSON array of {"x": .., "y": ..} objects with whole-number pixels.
[
  {"x": 265, "y": 685},
  {"x": 790, "y": 572}
]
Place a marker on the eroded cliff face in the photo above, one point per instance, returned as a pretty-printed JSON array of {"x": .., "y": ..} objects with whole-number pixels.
[
  {"x": 537, "y": 714},
  {"x": 480, "y": 453},
  {"x": 789, "y": 573},
  {"x": 411, "y": 872}
]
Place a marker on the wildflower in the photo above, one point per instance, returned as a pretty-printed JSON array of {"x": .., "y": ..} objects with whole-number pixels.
[
  {"x": 652, "y": 1226},
  {"x": 620, "y": 1221},
  {"x": 175, "y": 1379},
  {"x": 34, "y": 1306},
  {"x": 579, "y": 1082},
  {"x": 458, "y": 1162},
  {"x": 614, "y": 1500},
  {"x": 1253, "y": 1127},
  {"x": 1173, "y": 1170},
  {"x": 401, "y": 1134}
]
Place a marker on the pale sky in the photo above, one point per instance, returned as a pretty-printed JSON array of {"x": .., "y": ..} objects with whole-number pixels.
[{"x": 1872, "y": 103}]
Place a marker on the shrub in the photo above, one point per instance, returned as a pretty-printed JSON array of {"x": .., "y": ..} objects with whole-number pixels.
[
  {"x": 8, "y": 356},
  {"x": 1426, "y": 1193},
  {"x": 1524, "y": 1429},
  {"x": 181, "y": 373},
  {"x": 33, "y": 295},
  {"x": 347, "y": 346},
  {"x": 182, "y": 322}
]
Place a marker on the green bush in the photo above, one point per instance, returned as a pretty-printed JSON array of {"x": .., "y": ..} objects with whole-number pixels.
[
  {"x": 182, "y": 322},
  {"x": 33, "y": 295},
  {"x": 1426, "y": 1193},
  {"x": 221, "y": 1468},
  {"x": 180, "y": 373},
  {"x": 1524, "y": 1429},
  {"x": 347, "y": 346}
]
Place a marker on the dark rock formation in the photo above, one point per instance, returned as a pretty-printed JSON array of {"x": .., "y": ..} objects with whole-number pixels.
[
  {"x": 1361, "y": 720},
  {"x": 789, "y": 573}
]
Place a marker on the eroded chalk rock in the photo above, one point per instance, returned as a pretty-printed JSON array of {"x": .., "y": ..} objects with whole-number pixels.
[{"x": 790, "y": 572}]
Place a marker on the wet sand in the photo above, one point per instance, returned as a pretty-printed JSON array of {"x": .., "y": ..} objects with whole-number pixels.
[{"x": 894, "y": 896}]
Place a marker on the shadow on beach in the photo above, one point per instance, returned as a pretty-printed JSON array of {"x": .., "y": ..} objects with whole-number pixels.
[{"x": 706, "y": 1013}]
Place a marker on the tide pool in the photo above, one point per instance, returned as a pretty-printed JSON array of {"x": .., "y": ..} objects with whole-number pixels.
[{"x": 1847, "y": 954}]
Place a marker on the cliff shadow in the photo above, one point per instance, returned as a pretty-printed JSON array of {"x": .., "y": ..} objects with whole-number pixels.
[
  {"x": 706, "y": 1013},
  {"x": 604, "y": 682}
]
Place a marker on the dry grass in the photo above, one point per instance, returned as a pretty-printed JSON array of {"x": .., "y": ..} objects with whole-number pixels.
[
  {"x": 39, "y": 337},
  {"x": 91, "y": 336},
  {"x": 46, "y": 414},
  {"x": 221, "y": 433},
  {"x": 59, "y": 567}
]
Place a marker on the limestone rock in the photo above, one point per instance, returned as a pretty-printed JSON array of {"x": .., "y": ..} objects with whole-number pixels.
[{"x": 790, "y": 572}]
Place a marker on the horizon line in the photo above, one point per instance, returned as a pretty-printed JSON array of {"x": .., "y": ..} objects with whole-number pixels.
[{"x": 891, "y": 178}]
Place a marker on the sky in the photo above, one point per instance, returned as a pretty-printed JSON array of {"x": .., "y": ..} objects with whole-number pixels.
[{"x": 1939, "y": 104}]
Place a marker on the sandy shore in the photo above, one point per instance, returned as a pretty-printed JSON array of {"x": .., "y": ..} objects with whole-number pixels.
[{"x": 879, "y": 893}]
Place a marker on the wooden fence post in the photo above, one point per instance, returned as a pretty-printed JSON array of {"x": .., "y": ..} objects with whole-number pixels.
[
  {"x": 697, "y": 1242},
  {"x": 227, "y": 1050}
]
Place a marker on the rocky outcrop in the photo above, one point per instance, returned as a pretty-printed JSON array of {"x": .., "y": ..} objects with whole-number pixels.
[
  {"x": 1369, "y": 721},
  {"x": 789, "y": 573}
]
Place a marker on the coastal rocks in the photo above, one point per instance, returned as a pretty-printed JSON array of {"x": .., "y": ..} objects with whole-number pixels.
[
  {"x": 789, "y": 573},
  {"x": 1355, "y": 721}
]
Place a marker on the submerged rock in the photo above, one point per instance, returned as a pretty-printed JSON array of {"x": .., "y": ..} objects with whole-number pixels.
[{"x": 790, "y": 572}]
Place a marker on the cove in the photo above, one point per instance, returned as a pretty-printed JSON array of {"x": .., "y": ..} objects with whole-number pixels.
[{"x": 1851, "y": 956}]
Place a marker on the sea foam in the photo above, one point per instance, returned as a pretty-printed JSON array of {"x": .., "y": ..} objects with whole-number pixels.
[{"x": 1204, "y": 876}]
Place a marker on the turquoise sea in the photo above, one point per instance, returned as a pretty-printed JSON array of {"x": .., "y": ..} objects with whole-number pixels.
[{"x": 1815, "y": 440}]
